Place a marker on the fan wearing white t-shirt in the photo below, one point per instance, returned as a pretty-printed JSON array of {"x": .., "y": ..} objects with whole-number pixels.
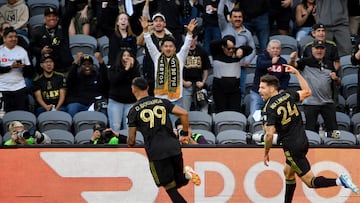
[{"x": 13, "y": 61}]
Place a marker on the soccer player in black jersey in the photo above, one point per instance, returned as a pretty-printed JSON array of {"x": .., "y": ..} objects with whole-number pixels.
[
  {"x": 281, "y": 115},
  {"x": 150, "y": 115}
]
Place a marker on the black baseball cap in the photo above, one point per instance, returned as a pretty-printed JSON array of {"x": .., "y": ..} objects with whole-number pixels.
[
  {"x": 46, "y": 56},
  {"x": 317, "y": 26},
  {"x": 318, "y": 43},
  {"x": 51, "y": 10},
  {"x": 86, "y": 58}
]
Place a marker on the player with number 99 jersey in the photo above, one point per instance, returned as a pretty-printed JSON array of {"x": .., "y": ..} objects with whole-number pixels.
[{"x": 150, "y": 115}]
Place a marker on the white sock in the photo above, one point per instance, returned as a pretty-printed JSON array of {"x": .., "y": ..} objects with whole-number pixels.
[{"x": 338, "y": 182}]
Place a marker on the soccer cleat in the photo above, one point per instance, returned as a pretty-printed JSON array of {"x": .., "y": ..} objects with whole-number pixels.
[
  {"x": 347, "y": 183},
  {"x": 191, "y": 175}
]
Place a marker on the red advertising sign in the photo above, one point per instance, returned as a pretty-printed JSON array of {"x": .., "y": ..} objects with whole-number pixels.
[{"x": 122, "y": 175}]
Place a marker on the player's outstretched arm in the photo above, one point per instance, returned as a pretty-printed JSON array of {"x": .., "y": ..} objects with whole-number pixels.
[{"x": 305, "y": 89}]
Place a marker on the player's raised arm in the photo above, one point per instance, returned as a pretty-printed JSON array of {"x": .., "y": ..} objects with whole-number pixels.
[{"x": 305, "y": 89}]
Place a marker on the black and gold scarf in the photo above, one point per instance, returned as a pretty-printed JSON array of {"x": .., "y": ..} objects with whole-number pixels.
[{"x": 167, "y": 79}]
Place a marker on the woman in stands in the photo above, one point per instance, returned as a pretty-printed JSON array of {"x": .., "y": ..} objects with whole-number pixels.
[
  {"x": 123, "y": 38},
  {"x": 120, "y": 75}
]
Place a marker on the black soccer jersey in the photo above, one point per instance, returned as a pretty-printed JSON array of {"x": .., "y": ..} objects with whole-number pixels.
[
  {"x": 282, "y": 112},
  {"x": 150, "y": 115},
  {"x": 50, "y": 87}
]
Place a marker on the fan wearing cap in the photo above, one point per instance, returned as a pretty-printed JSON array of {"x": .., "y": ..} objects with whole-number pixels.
[
  {"x": 321, "y": 75},
  {"x": 50, "y": 87},
  {"x": 85, "y": 83},
  {"x": 21, "y": 136},
  {"x": 168, "y": 65},
  {"x": 53, "y": 38},
  {"x": 331, "y": 51},
  {"x": 158, "y": 32}
]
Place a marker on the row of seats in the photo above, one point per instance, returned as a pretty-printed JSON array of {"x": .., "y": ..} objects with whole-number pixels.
[
  {"x": 227, "y": 120},
  {"x": 55, "y": 120},
  {"x": 59, "y": 136},
  {"x": 229, "y": 127}
]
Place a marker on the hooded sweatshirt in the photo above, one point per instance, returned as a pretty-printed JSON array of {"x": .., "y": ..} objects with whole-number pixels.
[{"x": 17, "y": 14}]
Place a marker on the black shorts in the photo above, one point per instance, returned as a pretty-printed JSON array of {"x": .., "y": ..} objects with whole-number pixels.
[
  {"x": 169, "y": 172},
  {"x": 295, "y": 153}
]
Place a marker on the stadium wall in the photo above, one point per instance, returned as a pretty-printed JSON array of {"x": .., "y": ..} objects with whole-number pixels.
[{"x": 122, "y": 175}]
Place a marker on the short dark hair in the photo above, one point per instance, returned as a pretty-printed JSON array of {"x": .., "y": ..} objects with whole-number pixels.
[
  {"x": 270, "y": 80},
  {"x": 168, "y": 39},
  {"x": 235, "y": 10},
  {"x": 140, "y": 83},
  {"x": 9, "y": 30}
]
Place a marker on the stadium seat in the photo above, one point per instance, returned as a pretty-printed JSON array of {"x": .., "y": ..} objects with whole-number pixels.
[
  {"x": 37, "y": 7},
  {"x": 54, "y": 120},
  {"x": 313, "y": 137},
  {"x": 349, "y": 85},
  {"x": 341, "y": 105},
  {"x": 343, "y": 121},
  {"x": 351, "y": 103},
  {"x": 346, "y": 139},
  {"x": 82, "y": 43},
  {"x": 209, "y": 136},
  {"x": 2, "y": 2},
  {"x": 293, "y": 83},
  {"x": 231, "y": 137},
  {"x": 84, "y": 136},
  {"x": 345, "y": 60},
  {"x": 303, "y": 42},
  {"x": 288, "y": 44},
  {"x": 355, "y": 122},
  {"x": 103, "y": 44},
  {"x": 139, "y": 136},
  {"x": 87, "y": 119},
  {"x": 6, "y": 137},
  {"x": 59, "y": 136},
  {"x": 254, "y": 126},
  {"x": 200, "y": 120},
  {"x": 28, "y": 119},
  {"x": 249, "y": 82},
  {"x": 35, "y": 21},
  {"x": 228, "y": 120},
  {"x": 348, "y": 69}
]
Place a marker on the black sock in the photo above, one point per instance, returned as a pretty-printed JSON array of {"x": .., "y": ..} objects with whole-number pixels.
[
  {"x": 321, "y": 181},
  {"x": 289, "y": 190},
  {"x": 175, "y": 196}
]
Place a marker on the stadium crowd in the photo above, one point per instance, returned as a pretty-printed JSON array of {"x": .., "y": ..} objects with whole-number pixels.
[{"x": 81, "y": 55}]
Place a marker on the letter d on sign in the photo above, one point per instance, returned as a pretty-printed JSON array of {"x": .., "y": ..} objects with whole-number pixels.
[{"x": 228, "y": 177}]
